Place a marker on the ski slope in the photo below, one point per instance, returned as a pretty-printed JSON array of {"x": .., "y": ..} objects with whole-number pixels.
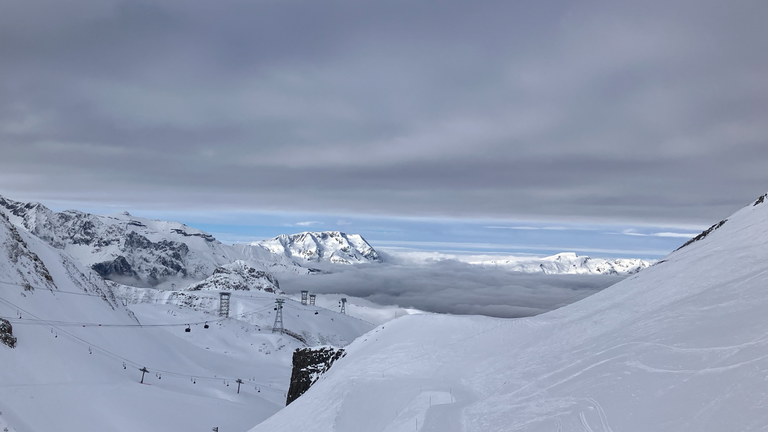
[
  {"x": 77, "y": 363},
  {"x": 681, "y": 346}
]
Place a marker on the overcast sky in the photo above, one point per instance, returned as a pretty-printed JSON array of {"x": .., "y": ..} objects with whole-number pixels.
[{"x": 641, "y": 113}]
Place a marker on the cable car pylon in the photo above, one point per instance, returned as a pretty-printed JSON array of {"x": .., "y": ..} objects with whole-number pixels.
[{"x": 278, "y": 327}]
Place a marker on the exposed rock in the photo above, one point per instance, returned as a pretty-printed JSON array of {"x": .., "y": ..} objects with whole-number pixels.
[
  {"x": 117, "y": 267},
  {"x": 309, "y": 364},
  {"x": 704, "y": 234},
  {"x": 6, "y": 334},
  {"x": 760, "y": 200},
  {"x": 204, "y": 236}
]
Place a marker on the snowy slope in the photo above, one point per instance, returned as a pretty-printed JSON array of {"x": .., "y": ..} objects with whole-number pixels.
[
  {"x": 275, "y": 263},
  {"x": 570, "y": 263},
  {"x": 681, "y": 346},
  {"x": 76, "y": 364},
  {"x": 329, "y": 247}
]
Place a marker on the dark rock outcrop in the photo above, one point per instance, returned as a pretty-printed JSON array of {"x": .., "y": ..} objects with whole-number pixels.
[
  {"x": 760, "y": 200},
  {"x": 6, "y": 334},
  {"x": 309, "y": 364},
  {"x": 704, "y": 234},
  {"x": 117, "y": 267},
  {"x": 205, "y": 236}
]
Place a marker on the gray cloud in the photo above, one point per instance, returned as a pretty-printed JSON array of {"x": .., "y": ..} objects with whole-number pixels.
[
  {"x": 450, "y": 286},
  {"x": 646, "y": 111}
]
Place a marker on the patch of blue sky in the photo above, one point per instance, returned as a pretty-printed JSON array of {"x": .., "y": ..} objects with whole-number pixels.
[
  {"x": 464, "y": 236},
  {"x": 457, "y": 236}
]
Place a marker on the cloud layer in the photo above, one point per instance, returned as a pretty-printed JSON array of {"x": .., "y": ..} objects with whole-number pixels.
[
  {"x": 630, "y": 111},
  {"x": 451, "y": 286}
]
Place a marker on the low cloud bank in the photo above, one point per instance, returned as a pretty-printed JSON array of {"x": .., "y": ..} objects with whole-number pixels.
[{"x": 451, "y": 286}]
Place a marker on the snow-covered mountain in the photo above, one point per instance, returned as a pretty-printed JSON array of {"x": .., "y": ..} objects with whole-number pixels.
[
  {"x": 21, "y": 266},
  {"x": 128, "y": 249},
  {"x": 143, "y": 252},
  {"x": 570, "y": 263},
  {"x": 79, "y": 350},
  {"x": 331, "y": 247},
  {"x": 680, "y": 346},
  {"x": 238, "y": 276}
]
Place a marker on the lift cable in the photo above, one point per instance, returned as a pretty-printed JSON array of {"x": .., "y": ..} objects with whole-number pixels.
[{"x": 126, "y": 361}]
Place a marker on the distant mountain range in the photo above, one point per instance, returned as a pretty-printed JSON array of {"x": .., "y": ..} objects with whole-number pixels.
[
  {"x": 143, "y": 252},
  {"x": 570, "y": 263}
]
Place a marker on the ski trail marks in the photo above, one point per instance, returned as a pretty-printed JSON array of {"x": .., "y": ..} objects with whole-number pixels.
[{"x": 594, "y": 405}]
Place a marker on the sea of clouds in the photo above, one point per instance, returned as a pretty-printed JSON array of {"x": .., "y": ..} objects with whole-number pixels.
[{"x": 451, "y": 286}]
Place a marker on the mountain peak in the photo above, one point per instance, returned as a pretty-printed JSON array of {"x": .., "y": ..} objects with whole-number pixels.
[
  {"x": 563, "y": 256},
  {"x": 334, "y": 247}
]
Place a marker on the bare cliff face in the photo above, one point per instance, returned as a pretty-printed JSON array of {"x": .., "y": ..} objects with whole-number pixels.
[
  {"x": 309, "y": 364},
  {"x": 6, "y": 334}
]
